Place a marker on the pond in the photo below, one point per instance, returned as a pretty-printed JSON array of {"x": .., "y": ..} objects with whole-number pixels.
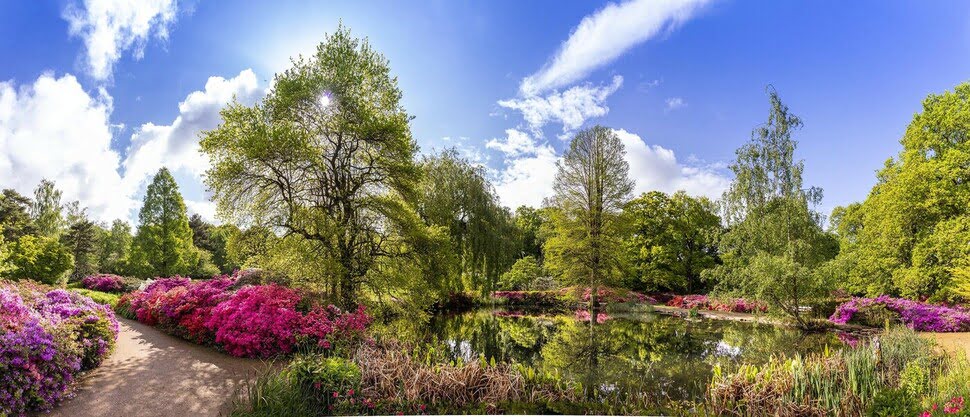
[{"x": 670, "y": 357}]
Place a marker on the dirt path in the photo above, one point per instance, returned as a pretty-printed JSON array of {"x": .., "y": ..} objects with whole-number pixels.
[
  {"x": 951, "y": 342},
  {"x": 153, "y": 374}
]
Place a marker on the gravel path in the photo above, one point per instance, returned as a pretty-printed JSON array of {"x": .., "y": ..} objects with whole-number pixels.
[{"x": 153, "y": 374}]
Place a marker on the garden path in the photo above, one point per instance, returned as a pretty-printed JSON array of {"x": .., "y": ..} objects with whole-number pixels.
[{"x": 151, "y": 373}]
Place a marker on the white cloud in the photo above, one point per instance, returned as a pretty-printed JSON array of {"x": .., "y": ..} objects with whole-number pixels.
[
  {"x": 54, "y": 129},
  {"x": 603, "y": 36},
  {"x": 516, "y": 143},
  {"x": 674, "y": 103},
  {"x": 656, "y": 168},
  {"x": 571, "y": 108},
  {"x": 206, "y": 209},
  {"x": 528, "y": 180},
  {"x": 111, "y": 27},
  {"x": 176, "y": 146}
]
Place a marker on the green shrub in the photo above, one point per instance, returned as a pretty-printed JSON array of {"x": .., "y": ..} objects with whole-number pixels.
[
  {"x": 915, "y": 378},
  {"x": 875, "y": 315},
  {"x": 99, "y": 297},
  {"x": 320, "y": 377},
  {"x": 893, "y": 403},
  {"x": 43, "y": 259}
]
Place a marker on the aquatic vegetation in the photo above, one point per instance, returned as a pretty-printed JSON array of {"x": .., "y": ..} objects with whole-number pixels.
[
  {"x": 48, "y": 336},
  {"x": 915, "y": 315}
]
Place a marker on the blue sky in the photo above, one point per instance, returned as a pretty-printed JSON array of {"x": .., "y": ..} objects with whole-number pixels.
[{"x": 99, "y": 94}]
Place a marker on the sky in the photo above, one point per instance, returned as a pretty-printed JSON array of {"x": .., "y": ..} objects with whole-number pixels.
[{"x": 97, "y": 95}]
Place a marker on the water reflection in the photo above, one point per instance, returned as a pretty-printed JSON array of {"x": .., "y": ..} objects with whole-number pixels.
[{"x": 669, "y": 357}]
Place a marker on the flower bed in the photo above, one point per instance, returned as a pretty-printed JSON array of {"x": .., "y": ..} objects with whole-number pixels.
[
  {"x": 703, "y": 302},
  {"x": 610, "y": 295},
  {"x": 534, "y": 299},
  {"x": 915, "y": 315},
  {"x": 253, "y": 321},
  {"x": 48, "y": 336},
  {"x": 104, "y": 283}
]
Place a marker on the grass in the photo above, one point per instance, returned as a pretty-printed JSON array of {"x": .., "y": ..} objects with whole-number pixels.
[
  {"x": 98, "y": 296},
  {"x": 897, "y": 367}
]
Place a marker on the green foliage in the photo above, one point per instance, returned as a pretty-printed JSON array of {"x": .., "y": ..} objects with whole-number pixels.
[
  {"x": 82, "y": 239},
  {"x": 528, "y": 225},
  {"x": 15, "y": 215},
  {"x": 163, "y": 245},
  {"x": 592, "y": 185},
  {"x": 328, "y": 156},
  {"x": 42, "y": 259},
  {"x": 319, "y": 374},
  {"x": 455, "y": 194},
  {"x": 893, "y": 403},
  {"x": 909, "y": 236},
  {"x": 114, "y": 248},
  {"x": 46, "y": 210},
  {"x": 524, "y": 273},
  {"x": 106, "y": 298},
  {"x": 213, "y": 239},
  {"x": 673, "y": 238},
  {"x": 774, "y": 241}
]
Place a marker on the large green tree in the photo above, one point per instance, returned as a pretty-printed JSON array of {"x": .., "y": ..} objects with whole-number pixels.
[
  {"x": 114, "y": 248},
  {"x": 673, "y": 238},
  {"x": 15, "y": 215},
  {"x": 455, "y": 194},
  {"x": 328, "y": 157},
  {"x": 909, "y": 237},
  {"x": 591, "y": 187},
  {"x": 40, "y": 258},
  {"x": 81, "y": 239},
  {"x": 46, "y": 210},
  {"x": 528, "y": 225},
  {"x": 163, "y": 243},
  {"x": 774, "y": 240}
]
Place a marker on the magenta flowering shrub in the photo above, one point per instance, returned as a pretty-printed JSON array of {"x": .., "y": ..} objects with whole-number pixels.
[
  {"x": 46, "y": 338},
  {"x": 253, "y": 321},
  {"x": 328, "y": 327},
  {"x": 610, "y": 295},
  {"x": 104, "y": 283},
  {"x": 585, "y": 315},
  {"x": 257, "y": 321},
  {"x": 916, "y": 315},
  {"x": 703, "y": 302}
]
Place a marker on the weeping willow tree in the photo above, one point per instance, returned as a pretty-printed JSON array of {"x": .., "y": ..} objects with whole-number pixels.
[
  {"x": 327, "y": 159},
  {"x": 456, "y": 195}
]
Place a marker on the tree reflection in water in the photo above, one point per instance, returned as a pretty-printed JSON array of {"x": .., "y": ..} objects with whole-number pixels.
[{"x": 667, "y": 357}]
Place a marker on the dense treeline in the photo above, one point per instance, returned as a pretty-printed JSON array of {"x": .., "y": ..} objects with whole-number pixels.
[{"x": 322, "y": 186}]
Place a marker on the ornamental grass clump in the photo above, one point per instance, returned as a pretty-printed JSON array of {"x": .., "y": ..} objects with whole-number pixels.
[
  {"x": 896, "y": 373},
  {"x": 915, "y": 315},
  {"x": 47, "y": 337}
]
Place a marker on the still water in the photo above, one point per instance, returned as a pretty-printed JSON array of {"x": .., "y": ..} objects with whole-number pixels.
[{"x": 670, "y": 357}]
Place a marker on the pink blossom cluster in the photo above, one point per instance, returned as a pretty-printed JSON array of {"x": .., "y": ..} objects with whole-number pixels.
[
  {"x": 104, "y": 283},
  {"x": 914, "y": 314},
  {"x": 47, "y": 336},
  {"x": 585, "y": 315},
  {"x": 253, "y": 321},
  {"x": 703, "y": 302},
  {"x": 952, "y": 407},
  {"x": 610, "y": 295}
]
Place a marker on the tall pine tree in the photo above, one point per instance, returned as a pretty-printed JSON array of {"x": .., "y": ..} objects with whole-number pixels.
[{"x": 163, "y": 243}]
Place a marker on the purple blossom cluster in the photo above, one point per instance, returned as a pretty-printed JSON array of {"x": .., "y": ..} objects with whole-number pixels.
[
  {"x": 253, "y": 321},
  {"x": 104, "y": 283},
  {"x": 47, "y": 336},
  {"x": 916, "y": 315}
]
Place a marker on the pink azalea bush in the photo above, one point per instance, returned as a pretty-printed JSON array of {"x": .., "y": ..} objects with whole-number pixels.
[
  {"x": 585, "y": 315},
  {"x": 253, "y": 321},
  {"x": 47, "y": 336},
  {"x": 104, "y": 283},
  {"x": 918, "y": 316},
  {"x": 703, "y": 302}
]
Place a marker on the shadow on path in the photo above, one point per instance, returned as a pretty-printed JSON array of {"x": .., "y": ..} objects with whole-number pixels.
[{"x": 151, "y": 373}]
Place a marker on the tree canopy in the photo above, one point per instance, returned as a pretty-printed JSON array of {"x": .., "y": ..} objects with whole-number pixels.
[{"x": 163, "y": 244}]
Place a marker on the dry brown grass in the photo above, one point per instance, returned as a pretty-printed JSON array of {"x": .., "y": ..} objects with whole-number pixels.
[{"x": 389, "y": 372}]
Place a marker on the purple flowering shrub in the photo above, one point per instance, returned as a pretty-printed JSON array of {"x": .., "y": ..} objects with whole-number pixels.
[
  {"x": 253, "y": 321},
  {"x": 915, "y": 315},
  {"x": 46, "y": 337},
  {"x": 104, "y": 283}
]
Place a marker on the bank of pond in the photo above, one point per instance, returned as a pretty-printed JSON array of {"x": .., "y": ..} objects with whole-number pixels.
[{"x": 519, "y": 352}]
